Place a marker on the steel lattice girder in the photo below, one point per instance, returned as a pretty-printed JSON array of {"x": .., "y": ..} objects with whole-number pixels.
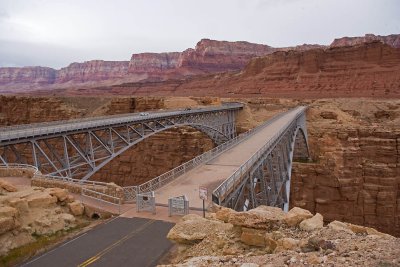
[
  {"x": 268, "y": 180},
  {"x": 79, "y": 154}
]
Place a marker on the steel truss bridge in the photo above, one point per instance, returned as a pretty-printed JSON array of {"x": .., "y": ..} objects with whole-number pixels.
[
  {"x": 254, "y": 170},
  {"x": 79, "y": 148},
  {"x": 264, "y": 179}
]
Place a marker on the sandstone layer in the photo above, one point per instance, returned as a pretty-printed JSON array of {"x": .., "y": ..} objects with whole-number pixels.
[
  {"x": 367, "y": 70},
  {"x": 392, "y": 40},
  {"x": 209, "y": 56}
]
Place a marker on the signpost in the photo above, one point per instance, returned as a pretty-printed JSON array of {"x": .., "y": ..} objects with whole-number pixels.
[{"x": 203, "y": 192}]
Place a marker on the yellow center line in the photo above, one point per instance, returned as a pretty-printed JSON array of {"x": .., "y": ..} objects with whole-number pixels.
[{"x": 115, "y": 244}]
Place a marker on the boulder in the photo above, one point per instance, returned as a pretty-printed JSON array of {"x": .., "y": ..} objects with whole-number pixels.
[
  {"x": 223, "y": 214},
  {"x": 8, "y": 212},
  {"x": 61, "y": 194},
  {"x": 194, "y": 228},
  {"x": 6, "y": 224},
  {"x": 313, "y": 223},
  {"x": 7, "y": 186},
  {"x": 253, "y": 237},
  {"x": 41, "y": 199},
  {"x": 70, "y": 198},
  {"x": 296, "y": 216},
  {"x": 47, "y": 225},
  {"x": 339, "y": 226},
  {"x": 68, "y": 218},
  {"x": 262, "y": 217},
  {"x": 21, "y": 204},
  {"x": 76, "y": 208}
]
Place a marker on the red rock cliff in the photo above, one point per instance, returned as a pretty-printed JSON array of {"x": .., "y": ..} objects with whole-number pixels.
[
  {"x": 217, "y": 56},
  {"x": 35, "y": 75},
  {"x": 392, "y": 40},
  {"x": 153, "y": 62},
  {"x": 94, "y": 70},
  {"x": 368, "y": 70}
]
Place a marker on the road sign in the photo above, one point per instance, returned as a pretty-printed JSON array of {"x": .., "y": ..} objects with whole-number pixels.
[{"x": 203, "y": 193}]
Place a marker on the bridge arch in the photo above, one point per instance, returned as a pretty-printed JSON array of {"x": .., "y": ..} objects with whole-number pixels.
[
  {"x": 78, "y": 148},
  {"x": 299, "y": 151},
  {"x": 214, "y": 134},
  {"x": 266, "y": 179}
]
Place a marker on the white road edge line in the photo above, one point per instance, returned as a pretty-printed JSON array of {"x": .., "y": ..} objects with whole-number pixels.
[{"x": 29, "y": 262}]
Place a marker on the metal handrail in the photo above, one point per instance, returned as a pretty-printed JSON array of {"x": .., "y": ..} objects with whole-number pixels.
[
  {"x": 25, "y": 130},
  {"x": 37, "y": 175},
  {"x": 222, "y": 189},
  {"x": 19, "y": 166},
  {"x": 169, "y": 176}
]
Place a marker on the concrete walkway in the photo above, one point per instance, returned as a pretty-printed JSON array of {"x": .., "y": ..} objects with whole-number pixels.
[{"x": 214, "y": 172}]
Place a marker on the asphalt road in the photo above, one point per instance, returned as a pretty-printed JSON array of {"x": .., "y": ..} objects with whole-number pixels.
[{"x": 120, "y": 242}]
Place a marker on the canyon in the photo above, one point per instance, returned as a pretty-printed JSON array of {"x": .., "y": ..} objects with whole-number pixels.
[
  {"x": 353, "y": 176},
  {"x": 208, "y": 57}
]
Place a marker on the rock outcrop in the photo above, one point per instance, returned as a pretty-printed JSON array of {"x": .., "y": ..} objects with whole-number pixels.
[
  {"x": 209, "y": 56},
  {"x": 392, "y": 40},
  {"x": 355, "y": 151},
  {"x": 27, "y": 75},
  {"x": 349, "y": 71},
  {"x": 92, "y": 71},
  {"x": 34, "y": 211},
  {"x": 212, "y": 242}
]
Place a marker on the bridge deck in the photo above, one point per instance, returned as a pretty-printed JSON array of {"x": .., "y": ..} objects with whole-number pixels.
[
  {"x": 214, "y": 172},
  {"x": 50, "y": 128}
]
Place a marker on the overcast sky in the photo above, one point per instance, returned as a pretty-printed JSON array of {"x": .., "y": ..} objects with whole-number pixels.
[{"x": 55, "y": 33}]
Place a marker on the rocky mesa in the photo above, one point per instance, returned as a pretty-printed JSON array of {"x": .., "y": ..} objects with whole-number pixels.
[
  {"x": 209, "y": 56},
  {"x": 366, "y": 70}
]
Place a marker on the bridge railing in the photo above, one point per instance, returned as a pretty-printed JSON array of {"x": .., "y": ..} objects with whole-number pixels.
[
  {"x": 169, "y": 176},
  {"x": 34, "y": 170},
  {"x": 234, "y": 180},
  {"x": 20, "y": 131}
]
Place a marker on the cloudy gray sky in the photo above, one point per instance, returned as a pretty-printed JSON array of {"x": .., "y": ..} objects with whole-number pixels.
[{"x": 55, "y": 33}]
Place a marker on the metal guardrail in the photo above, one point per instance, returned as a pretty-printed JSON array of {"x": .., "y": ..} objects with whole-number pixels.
[
  {"x": 169, "y": 176},
  {"x": 234, "y": 179},
  {"x": 92, "y": 194},
  {"x": 69, "y": 180},
  {"x": 130, "y": 193},
  {"x": 20, "y": 166},
  {"x": 23, "y": 131},
  {"x": 38, "y": 175}
]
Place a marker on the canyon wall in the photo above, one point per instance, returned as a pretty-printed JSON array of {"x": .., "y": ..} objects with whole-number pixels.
[
  {"x": 154, "y": 156},
  {"x": 367, "y": 70},
  {"x": 208, "y": 57},
  {"x": 354, "y": 175},
  {"x": 95, "y": 70},
  {"x": 27, "y": 75}
]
